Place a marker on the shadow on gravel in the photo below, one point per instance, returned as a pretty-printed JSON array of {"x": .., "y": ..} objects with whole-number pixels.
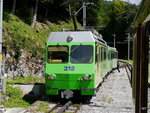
[
  {"x": 31, "y": 99},
  {"x": 34, "y": 93}
]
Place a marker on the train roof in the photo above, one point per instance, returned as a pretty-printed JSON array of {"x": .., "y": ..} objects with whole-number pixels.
[
  {"x": 112, "y": 48},
  {"x": 76, "y": 36}
]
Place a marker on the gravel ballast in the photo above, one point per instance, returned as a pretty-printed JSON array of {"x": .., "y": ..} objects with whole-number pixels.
[{"x": 114, "y": 96}]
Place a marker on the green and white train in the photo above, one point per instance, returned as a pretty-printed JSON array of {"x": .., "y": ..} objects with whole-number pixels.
[{"x": 77, "y": 62}]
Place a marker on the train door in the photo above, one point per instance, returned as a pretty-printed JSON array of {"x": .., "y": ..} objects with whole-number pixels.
[
  {"x": 141, "y": 68},
  {"x": 148, "y": 38},
  {"x": 104, "y": 61},
  {"x": 111, "y": 60},
  {"x": 98, "y": 76},
  {"x": 149, "y": 70},
  {"x": 99, "y": 60}
]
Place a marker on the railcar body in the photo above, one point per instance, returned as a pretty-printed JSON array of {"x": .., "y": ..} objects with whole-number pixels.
[{"x": 76, "y": 62}]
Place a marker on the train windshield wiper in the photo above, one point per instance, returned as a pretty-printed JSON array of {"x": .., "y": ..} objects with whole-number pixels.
[{"x": 75, "y": 49}]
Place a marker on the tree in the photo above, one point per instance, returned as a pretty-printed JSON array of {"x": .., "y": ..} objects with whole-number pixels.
[
  {"x": 118, "y": 18},
  {"x": 46, "y": 2},
  {"x": 36, "y": 9},
  {"x": 35, "y": 14},
  {"x": 13, "y": 7}
]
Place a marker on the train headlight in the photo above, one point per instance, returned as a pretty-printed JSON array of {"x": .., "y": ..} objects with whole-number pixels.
[
  {"x": 52, "y": 76},
  {"x": 87, "y": 77}
]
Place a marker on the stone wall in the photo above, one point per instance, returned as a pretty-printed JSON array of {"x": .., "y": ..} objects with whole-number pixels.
[{"x": 24, "y": 65}]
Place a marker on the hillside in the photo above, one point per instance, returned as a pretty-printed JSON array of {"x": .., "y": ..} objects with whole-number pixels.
[{"x": 24, "y": 46}]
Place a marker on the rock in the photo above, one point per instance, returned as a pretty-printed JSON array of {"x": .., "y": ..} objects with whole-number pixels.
[
  {"x": 24, "y": 65},
  {"x": 2, "y": 109}
]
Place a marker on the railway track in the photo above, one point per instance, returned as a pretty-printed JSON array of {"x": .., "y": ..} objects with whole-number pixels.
[
  {"x": 67, "y": 107},
  {"x": 128, "y": 67}
]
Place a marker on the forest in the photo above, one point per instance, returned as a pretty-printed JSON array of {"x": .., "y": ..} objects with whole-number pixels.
[{"x": 38, "y": 18}]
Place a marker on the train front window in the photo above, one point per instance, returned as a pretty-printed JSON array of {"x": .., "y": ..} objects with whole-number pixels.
[
  {"x": 57, "y": 54},
  {"x": 81, "y": 54}
]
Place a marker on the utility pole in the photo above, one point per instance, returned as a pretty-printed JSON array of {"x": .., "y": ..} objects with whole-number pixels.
[
  {"x": 2, "y": 79},
  {"x": 128, "y": 46},
  {"x": 114, "y": 35},
  {"x": 84, "y": 15},
  {"x": 84, "y": 12}
]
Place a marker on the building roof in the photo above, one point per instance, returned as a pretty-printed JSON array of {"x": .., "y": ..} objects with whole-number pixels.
[{"x": 142, "y": 14}]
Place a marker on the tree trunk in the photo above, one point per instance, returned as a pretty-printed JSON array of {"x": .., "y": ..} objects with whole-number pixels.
[
  {"x": 46, "y": 13},
  {"x": 35, "y": 14},
  {"x": 13, "y": 7}
]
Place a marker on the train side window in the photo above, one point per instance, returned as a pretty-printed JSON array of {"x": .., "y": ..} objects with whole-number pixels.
[
  {"x": 58, "y": 54},
  {"x": 105, "y": 53},
  {"x": 96, "y": 55},
  {"x": 102, "y": 53}
]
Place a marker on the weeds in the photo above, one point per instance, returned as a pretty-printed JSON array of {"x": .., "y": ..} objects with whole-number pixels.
[
  {"x": 28, "y": 79},
  {"x": 15, "y": 98}
]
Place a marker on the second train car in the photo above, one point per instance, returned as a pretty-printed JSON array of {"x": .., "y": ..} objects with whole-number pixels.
[{"x": 76, "y": 62}]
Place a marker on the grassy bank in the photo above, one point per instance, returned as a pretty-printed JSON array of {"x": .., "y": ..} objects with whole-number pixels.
[
  {"x": 124, "y": 60},
  {"x": 18, "y": 36}
]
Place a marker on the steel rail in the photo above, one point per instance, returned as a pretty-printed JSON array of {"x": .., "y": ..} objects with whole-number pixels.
[
  {"x": 53, "y": 108},
  {"x": 65, "y": 107}
]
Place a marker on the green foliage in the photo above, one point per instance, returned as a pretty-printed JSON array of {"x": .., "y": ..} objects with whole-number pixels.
[
  {"x": 15, "y": 98},
  {"x": 95, "y": 13},
  {"x": 28, "y": 79},
  {"x": 108, "y": 17},
  {"x": 47, "y": 1},
  {"x": 19, "y": 36},
  {"x": 13, "y": 92},
  {"x": 118, "y": 17}
]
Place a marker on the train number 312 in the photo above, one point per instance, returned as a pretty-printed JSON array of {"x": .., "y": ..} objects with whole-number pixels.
[{"x": 69, "y": 68}]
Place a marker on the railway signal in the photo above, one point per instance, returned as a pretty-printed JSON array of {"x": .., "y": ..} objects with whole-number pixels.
[
  {"x": 114, "y": 35},
  {"x": 128, "y": 38}
]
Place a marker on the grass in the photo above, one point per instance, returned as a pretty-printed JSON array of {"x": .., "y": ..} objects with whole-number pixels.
[
  {"x": 15, "y": 95},
  {"x": 43, "y": 107},
  {"x": 28, "y": 79},
  {"x": 129, "y": 61},
  {"x": 15, "y": 98},
  {"x": 76, "y": 105}
]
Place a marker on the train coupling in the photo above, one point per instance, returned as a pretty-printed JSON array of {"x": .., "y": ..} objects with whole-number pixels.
[{"x": 66, "y": 94}]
